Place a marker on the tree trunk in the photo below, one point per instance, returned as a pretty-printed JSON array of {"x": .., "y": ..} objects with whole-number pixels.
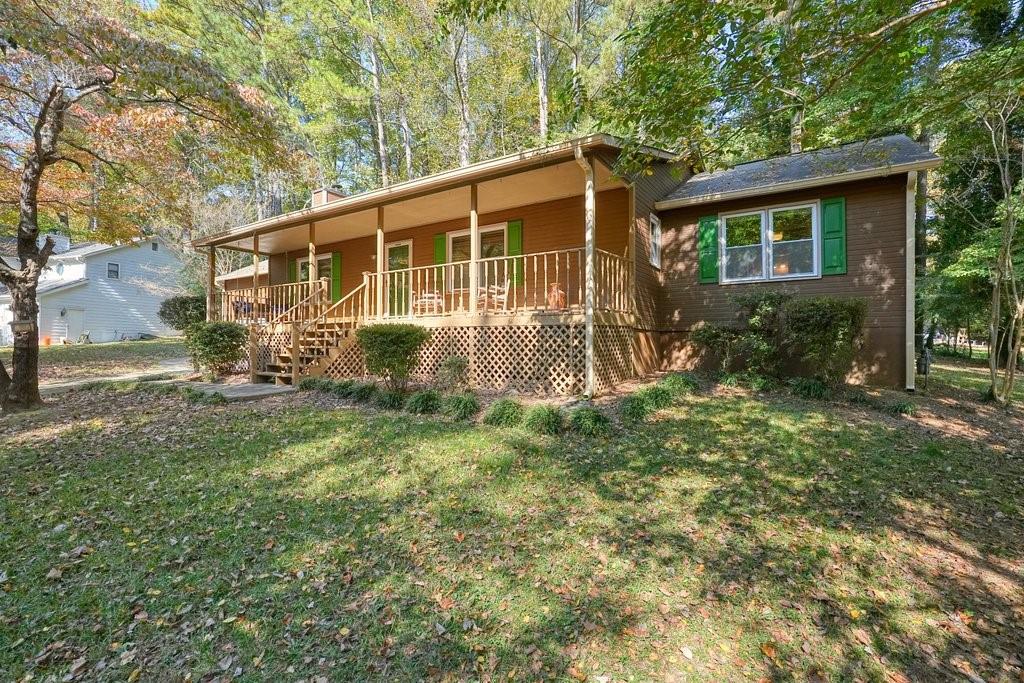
[
  {"x": 460, "y": 55},
  {"x": 403, "y": 120},
  {"x": 796, "y": 129},
  {"x": 378, "y": 112},
  {"x": 23, "y": 392},
  {"x": 577, "y": 47},
  {"x": 5, "y": 383},
  {"x": 542, "y": 85}
]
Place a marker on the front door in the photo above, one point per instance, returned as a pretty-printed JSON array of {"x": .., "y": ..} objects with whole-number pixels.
[{"x": 399, "y": 260}]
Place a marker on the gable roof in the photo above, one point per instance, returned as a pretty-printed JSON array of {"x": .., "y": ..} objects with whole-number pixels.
[
  {"x": 854, "y": 161},
  {"x": 50, "y": 287}
]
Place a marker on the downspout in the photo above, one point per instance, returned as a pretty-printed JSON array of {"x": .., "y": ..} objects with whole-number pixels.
[
  {"x": 589, "y": 230},
  {"x": 910, "y": 293}
]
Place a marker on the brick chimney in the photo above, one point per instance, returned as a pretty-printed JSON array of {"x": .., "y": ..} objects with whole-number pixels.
[{"x": 324, "y": 195}]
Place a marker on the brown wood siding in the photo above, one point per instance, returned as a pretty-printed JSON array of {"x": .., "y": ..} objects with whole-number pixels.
[
  {"x": 876, "y": 273},
  {"x": 547, "y": 226},
  {"x": 649, "y": 280},
  {"x": 242, "y": 282}
]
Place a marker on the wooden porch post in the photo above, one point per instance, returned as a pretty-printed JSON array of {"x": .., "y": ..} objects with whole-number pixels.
[
  {"x": 474, "y": 250},
  {"x": 255, "y": 265},
  {"x": 590, "y": 237},
  {"x": 211, "y": 274},
  {"x": 380, "y": 262},
  {"x": 313, "y": 274}
]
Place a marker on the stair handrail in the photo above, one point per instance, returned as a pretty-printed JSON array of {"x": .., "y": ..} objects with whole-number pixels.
[
  {"x": 324, "y": 315},
  {"x": 337, "y": 304},
  {"x": 318, "y": 292}
]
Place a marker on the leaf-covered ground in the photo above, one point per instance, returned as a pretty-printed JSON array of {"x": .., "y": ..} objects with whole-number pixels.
[
  {"x": 61, "y": 363},
  {"x": 736, "y": 537}
]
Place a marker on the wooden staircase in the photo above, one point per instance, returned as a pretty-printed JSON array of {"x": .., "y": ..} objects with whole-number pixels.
[{"x": 314, "y": 343}]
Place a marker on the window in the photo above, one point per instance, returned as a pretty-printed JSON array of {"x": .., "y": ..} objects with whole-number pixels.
[
  {"x": 323, "y": 269},
  {"x": 492, "y": 245},
  {"x": 655, "y": 241},
  {"x": 770, "y": 244},
  {"x": 156, "y": 247},
  {"x": 60, "y": 269},
  {"x": 113, "y": 271}
]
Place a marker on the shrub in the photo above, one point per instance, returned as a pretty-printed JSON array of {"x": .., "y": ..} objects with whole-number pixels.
[
  {"x": 718, "y": 340},
  {"x": 391, "y": 351},
  {"x": 363, "y": 392},
  {"x": 655, "y": 396},
  {"x": 543, "y": 419},
  {"x": 679, "y": 384},
  {"x": 634, "y": 409},
  {"x": 826, "y": 332},
  {"x": 215, "y": 348},
  {"x": 809, "y": 387},
  {"x": 315, "y": 384},
  {"x": 424, "y": 402},
  {"x": 181, "y": 312},
  {"x": 505, "y": 412},
  {"x": 589, "y": 421},
  {"x": 389, "y": 399},
  {"x": 451, "y": 373},
  {"x": 757, "y": 343},
  {"x": 344, "y": 388},
  {"x": 461, "y": 406}
]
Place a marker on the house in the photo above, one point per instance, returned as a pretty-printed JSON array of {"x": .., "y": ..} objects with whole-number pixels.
[
  {"x": 551, "y": 274},
  {"x": 109, "y": 291}
]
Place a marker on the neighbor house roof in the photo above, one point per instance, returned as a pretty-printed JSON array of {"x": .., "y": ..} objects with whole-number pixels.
[
  {"x": 437, "y": 182},
  {"x": 854, "y": 161},
  {"x": 244, "y": 271},
  {"x": 8, "y": 246},
  {"x": 50, "y": 287}
]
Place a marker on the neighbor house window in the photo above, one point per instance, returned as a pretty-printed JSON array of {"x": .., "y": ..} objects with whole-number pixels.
[
  {"x": 156, "y": 247},
  {"x": 655, "y": 241},
  {"x": 113, "y": 271},
  {"x": 492, "y": 245},
  {"x": 770, "y": 244}
]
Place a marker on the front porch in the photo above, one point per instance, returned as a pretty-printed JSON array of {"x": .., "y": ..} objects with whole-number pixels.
[{"x": 534, "y": 285}]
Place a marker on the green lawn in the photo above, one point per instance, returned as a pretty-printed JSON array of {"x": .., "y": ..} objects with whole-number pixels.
[
  {"x": 968, "y": 376},
  {"x": 733, "y": 538},
  {"x": 80, "y": 361}
]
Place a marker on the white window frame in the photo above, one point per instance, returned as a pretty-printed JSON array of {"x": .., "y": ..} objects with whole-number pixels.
[
  {"x": 319, "y": 257},
  {"x": 398, "y": 243},
  {"x": 655, "y": 241},
  {"x": 116, "y": 265},
  {"x": 767, "y": 266},
  {"x": 493, "y": 227}
]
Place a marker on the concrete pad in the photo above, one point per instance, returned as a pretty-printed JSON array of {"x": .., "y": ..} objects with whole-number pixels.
[
  {"x": 174, "y": 367},
  {"x": 237, "y": 393}
]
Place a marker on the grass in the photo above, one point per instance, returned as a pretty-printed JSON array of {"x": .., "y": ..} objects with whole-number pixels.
[
  {"x": 965, "y": 375},
  {"x": 61, "y": 363},
  {"x": 731, "y": 538}
]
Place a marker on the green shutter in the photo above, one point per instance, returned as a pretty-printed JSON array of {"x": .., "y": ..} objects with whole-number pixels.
[
  {"x": 440, "y": 256},
  {"x": 833, "y": 235},
  {"x": 707, "y": 249},
  {"x": 335, "y": 276},
  {"x": 292, "y": 271},
  {"x": 515, "y": 248}
]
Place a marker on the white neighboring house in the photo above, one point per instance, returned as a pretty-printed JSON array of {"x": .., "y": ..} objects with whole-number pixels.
[{"x": 109, "y": 291}]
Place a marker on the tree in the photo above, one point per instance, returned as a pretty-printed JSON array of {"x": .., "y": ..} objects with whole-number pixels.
[{"x": 92, "y": 110}]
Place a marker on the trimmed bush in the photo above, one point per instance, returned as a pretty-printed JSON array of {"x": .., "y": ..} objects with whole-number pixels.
[
  {"x": 826, "y": 332},
  {"x": 901, "y": 408},
  {"x": 634, "y": 409},
  {"x": 389, "y": 399},
  {"x": 451, "y": 373},
  {"x": 679, "y": 384},
  {"x": 181, "y": 312},
  {"x": 543, "y": 419},
  {"x": 391, "y": 351},
  {"x": 461, "y": 406},
  {"x": 344, "y": 388},
  {"x": 315, "y": 384},
  {"x": 426, "y": 402},
  {"x": 363, "y": 392},
  {"x": 505, "y": 412},
  {"x": 215, "y": 348},
  {"x": 656, "y": 396},
  {"x": 589, "y": 421},
  {"x": 809, "y": 387}
]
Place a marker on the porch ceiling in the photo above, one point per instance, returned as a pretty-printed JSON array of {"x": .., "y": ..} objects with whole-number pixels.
[{"x": 543, "y": 184}]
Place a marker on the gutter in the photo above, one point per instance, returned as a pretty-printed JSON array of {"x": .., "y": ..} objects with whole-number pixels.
[{"x": 849, "y": 176}]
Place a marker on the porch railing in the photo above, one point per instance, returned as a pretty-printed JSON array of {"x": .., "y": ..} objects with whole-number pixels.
[{"x": 281, "y": 303}]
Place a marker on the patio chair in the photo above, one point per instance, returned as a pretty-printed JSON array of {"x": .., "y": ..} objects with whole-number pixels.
[
  {"x": 494, "y": 297},
  {"x": 428, "y": 303}
]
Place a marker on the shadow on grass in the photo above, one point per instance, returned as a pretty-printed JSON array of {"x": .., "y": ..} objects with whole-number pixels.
[{"x": 278, "y": 542}]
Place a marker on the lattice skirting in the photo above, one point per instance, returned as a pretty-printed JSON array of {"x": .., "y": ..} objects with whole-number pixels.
[
  {"x": 269, "y": 343},
  {"x": 613, "y": 355},
  {"x": 533, "y": 359}
]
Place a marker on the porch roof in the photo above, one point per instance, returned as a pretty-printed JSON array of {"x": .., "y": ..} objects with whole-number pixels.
[{"x": 526, "y": 177}]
